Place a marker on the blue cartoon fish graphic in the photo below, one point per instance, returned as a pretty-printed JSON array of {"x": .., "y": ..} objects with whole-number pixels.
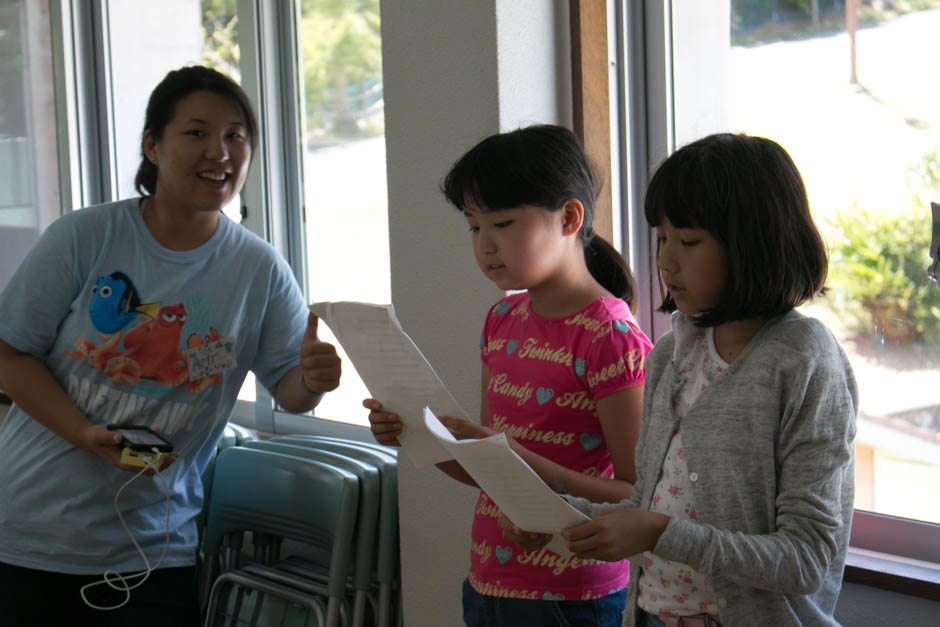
[{"x": 116, "y": 303}]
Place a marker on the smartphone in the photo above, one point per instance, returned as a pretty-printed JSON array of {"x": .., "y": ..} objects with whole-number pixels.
[{"x": 139, "y": 438}]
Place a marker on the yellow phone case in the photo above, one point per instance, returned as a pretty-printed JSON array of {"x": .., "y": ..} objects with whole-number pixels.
[{"x": 140, "y": 458}]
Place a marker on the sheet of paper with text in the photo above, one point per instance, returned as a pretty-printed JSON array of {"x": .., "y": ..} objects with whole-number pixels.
[
  {"x": 394, "y": 370},
  {"x": 511, "y": 483}
]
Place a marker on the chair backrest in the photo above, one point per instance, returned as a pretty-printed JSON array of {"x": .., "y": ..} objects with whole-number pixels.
[
  {"x": 228, "y": 439},
  {"x": 287, "y": 496},
  {"x": 242, "y": 434},
  {"x": 387, "y": 556},
  {"x": 232, "y": 435},
  {"x": 206, "y": 489},
  {"x": 388, "y": 450},
  {"x": 366, "y": 538}
]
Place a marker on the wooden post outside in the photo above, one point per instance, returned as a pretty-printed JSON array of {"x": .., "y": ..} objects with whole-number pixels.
[
  {"x": 851, "y": 25},
  {"x": 591, "y": 98}
]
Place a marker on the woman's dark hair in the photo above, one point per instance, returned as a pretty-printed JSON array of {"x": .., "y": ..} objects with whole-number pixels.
[
  {"x": 748, "y": 194},
  {"x": 161, "y": 108},
  {"x": 541, "y": 165}
]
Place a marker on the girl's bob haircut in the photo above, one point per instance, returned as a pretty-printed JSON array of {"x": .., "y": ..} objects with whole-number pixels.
[{"x": 748, "y": 194}]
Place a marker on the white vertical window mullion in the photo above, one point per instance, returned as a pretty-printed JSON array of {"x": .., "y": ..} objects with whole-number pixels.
[
  {"x": 273, "y": 194},
  {"x": 67, "y": 136},
  {"x": 84, "y": 85},
  {"x": 255, "y": 192},
  {"x": 285, "y": 51},
  {"x": 645, "y": 135}
]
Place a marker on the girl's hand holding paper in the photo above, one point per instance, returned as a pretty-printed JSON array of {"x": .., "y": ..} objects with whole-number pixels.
[
  {"x": 385, "y": 426},
  {"x": 526, "y": 540},
  {"x": 466, "y": 429},
  {"x": 616, "y": 534}
]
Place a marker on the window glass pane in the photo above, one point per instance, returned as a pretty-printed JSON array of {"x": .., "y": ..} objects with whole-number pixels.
[
  {"x": 346, "y": 198},
  {"x": 29, "y": 171},
  {"x": 868, "y": 147},
  {"x": 147, "y": 40}
]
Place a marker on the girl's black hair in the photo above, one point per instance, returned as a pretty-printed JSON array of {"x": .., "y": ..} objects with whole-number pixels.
[
  {"x": 542, "y": 165},
  {"x": 748, "y": 194},
  {"x": 161, "y": 108}
]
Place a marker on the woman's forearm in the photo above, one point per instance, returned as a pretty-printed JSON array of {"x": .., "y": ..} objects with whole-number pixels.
[
  {"x": 291, "y": 395},
  {"x": 31, "y": 385}
]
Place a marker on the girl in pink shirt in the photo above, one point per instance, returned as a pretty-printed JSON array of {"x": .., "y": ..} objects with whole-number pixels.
[{"x": 562, "y": 374}]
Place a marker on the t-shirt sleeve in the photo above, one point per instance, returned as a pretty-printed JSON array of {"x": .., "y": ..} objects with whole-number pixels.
[
  {"x": 617, "y": 360},
  {"x": 40, "y": 293},
  {"x": 283, "y": 327}
]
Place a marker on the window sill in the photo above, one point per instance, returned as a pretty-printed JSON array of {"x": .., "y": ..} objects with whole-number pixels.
[{"x": 890, "y": 572}]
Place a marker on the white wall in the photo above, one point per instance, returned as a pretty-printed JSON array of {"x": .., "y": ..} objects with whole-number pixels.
[{"x": 455, "y": 72}]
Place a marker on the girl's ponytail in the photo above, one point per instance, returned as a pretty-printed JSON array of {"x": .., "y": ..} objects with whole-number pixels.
[{"x": 610, "y": 269}]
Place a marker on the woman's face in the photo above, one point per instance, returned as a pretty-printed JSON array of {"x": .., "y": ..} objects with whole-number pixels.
[{"x": 203, "y": 156}]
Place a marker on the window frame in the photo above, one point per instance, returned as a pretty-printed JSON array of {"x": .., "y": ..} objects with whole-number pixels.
[
  {"x": 82, "y": 74},
  {"x": 884, "y": 551}
]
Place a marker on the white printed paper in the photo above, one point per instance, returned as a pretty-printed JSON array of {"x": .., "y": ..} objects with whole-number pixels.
[
  {"x": 394, "y": 370},
  {"x": 510, "y": 483}
]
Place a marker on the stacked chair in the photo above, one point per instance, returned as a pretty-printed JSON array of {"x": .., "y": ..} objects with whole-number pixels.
[
  {"x": 385, "y": 574},
  {"x": 323, "y": 517},
  {"x": 232, "y": 435}
]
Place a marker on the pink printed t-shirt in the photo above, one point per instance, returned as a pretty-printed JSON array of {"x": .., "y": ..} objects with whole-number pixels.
[{"x": 546, "y": 375}]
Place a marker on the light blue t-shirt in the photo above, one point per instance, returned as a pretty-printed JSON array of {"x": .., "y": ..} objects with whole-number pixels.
[{"x": 112, "y": 314}]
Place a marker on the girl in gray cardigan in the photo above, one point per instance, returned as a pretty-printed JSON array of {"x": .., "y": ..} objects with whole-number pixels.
[{"x": 742, "y": 507}]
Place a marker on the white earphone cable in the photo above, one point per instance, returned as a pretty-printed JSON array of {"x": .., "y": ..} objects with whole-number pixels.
[{"x": 114, "y": 579}]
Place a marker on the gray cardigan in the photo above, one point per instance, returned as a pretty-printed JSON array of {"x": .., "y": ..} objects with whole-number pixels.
[{"x": 770, "y": 445}]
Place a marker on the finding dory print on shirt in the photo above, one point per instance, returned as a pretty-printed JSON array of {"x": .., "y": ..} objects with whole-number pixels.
[
  {"x": 150, "y": 351},
  {"x": 116, "y": 303}
]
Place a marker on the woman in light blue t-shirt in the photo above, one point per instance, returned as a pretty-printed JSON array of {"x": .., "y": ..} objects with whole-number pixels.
[{"x": 147, "y": 311}]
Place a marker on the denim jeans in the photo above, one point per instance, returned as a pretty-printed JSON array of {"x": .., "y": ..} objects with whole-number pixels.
[{"x": 486, "y": 611}]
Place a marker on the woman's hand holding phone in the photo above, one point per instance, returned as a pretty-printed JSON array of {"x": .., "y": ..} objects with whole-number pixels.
[{"x": 108, "y": 443}]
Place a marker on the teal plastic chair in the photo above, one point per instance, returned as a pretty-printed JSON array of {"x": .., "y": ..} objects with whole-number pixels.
[
  {"x": 232, "y": 435},
  {"x": 228, "y": 439},
  {"x": 243, "y": 598},
  {"x": 204, "y": 567},
  {"x": 285, "y": 496},
  {"x": 388, "y": 450},
  {"x": 387, "y": 573},
  {"x": 366, "y": 525},
  {"x": 242, "y": 434}
]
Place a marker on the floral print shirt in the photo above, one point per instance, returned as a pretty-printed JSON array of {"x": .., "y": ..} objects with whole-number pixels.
[{"x": 667, "y": 587}]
